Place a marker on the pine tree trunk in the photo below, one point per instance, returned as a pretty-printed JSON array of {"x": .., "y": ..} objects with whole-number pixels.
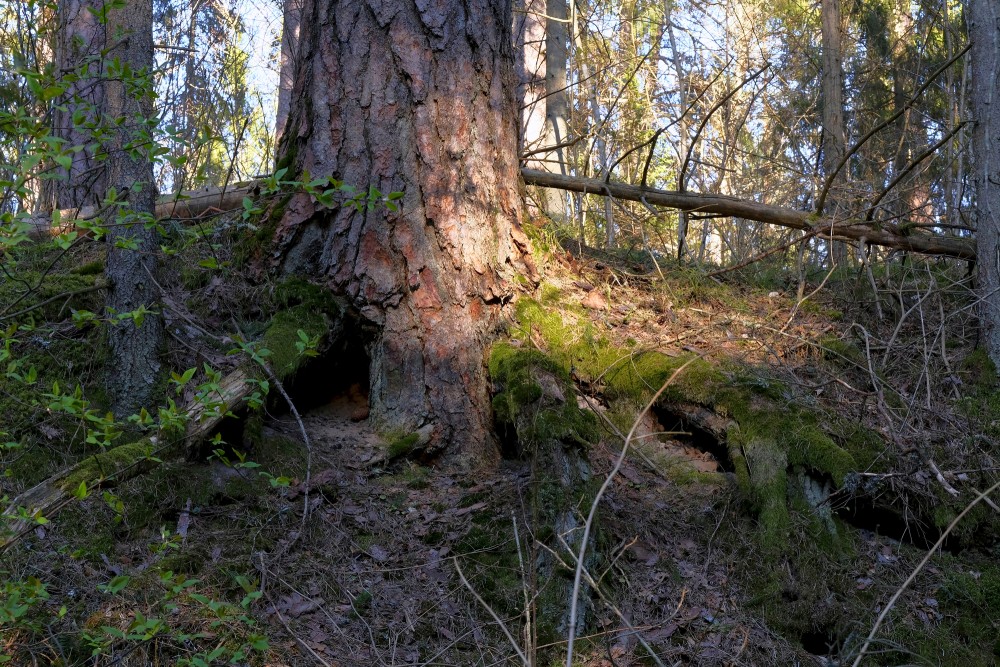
[
  {"x": 134, "y": 343},
  {"x": 984, "y": 33},
  {"x": 414, "y": 97},
  {"x": 834, "y": 136}
]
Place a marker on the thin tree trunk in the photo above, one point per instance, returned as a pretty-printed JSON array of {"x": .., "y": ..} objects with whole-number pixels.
[
  {"x": 291, "y": 20},
  {"x": 134, "y": 342},
  {"x": 529, "y": 63},
  {"x": 416, "y": 98},
  {"x": 529, "y": 56},
  {"x": 186, "y": 145},
  {"x": 682, "y": 124},
  {"x": 556, "y": 100},
  {"x": 984, "y": 32},
  {"x": 834, "y": 136},
  {"x": 81, "y": 37}
]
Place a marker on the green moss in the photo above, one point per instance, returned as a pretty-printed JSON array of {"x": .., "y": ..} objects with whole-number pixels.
[
  {"x": 803, "y": 589},
  {"x": 86, "y": 527},
  {"x": 488, "y": 554},
  {"x": 765, "y": 442},
  {"x": 979, "y": 371},
  {"x": 195, "y": 277},
  {"x": 865, "y": 446},
  {"x": 401, "y": 444},
  {"x": 415, "y": 477},
  {"x": 108, "y": 464},
  {"x": 55, "y": 286},
  {"x": 770, "y": 436},
  {"x": 537, "y": 398},
  {"x": 186, "y": 561},
  {"x": 980, "y": 402},
  {"x": 90, "y": 268},
  {"x": 968, "y": 626},
  {"x": 815, "y": 308},
  {"x": 839, "y": 349},
  {"x": 263, "y": 239},
  {"x": 550, "y": 294},
  {"x": 308, "y": 308}
]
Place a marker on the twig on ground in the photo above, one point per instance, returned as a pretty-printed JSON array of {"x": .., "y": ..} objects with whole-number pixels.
[
  {"x": 589, "y": 524},
  {"x": 488, "y": 608}
]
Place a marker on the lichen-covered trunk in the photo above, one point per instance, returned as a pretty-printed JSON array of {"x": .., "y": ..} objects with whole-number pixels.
[
  {"x": 984, "y": 32},
  {"x": 414, "y": 97},
  {"x": 134, "y": 341}
]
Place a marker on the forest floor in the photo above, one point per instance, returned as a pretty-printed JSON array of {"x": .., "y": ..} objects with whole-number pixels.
[{"x": 349, "y": 552}]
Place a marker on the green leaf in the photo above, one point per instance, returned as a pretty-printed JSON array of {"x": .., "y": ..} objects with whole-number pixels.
[
  {"x": 115, "y": 585},
  {"x": 81, "y": 491}
]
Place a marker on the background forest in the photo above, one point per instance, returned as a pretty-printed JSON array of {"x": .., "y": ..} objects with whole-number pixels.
[{"x": 696, "y": 365}]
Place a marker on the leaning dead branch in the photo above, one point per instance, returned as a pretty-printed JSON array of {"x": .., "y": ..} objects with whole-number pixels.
[
  {"x": 188, "y": 204},
  {"x": 887, "y": 235}
]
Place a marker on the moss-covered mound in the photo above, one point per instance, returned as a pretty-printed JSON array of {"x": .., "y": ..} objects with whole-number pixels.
[{"x": 771, "y": 433}]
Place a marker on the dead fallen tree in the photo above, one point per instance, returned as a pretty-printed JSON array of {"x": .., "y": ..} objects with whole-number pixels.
[
  {"x": 185, "y": 205},
  {"x": 196, "y": 203},
  {"x": 890, "y": 236},
  {"x": 122, "y": 463}
]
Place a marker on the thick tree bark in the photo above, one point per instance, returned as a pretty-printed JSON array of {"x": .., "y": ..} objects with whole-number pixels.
[
  {"x": 414, "y": 97},
  {"x": 134, "y": 343},
  {"x": 984, "y": 32}
]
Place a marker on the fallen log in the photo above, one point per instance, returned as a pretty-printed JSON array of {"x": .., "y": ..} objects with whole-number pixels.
[
  {"x": 194, "y": 203},
  {"x": 186, "y": 205},
  {"x": 318, "y": 318},
  {"x": 124, "y": 462},
  {"x": 888, "y": 235}
]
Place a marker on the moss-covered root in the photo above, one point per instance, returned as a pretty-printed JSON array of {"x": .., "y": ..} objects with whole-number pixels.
[
  {"x": 770, "y": 435},
  {"x": 537, "y": 400}
]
